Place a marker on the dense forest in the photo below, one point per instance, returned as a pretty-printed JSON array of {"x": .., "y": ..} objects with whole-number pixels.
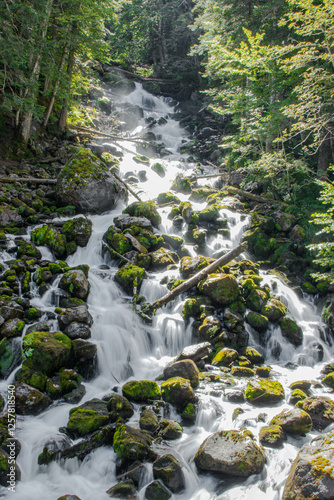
[{"x": 265, "y": 67}]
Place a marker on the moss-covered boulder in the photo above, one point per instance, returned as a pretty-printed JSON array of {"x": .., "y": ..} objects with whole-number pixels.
[
  {"x": 177, "y": 391},
  {"x": 47, "y": 351},
  {"x": 162, "y": 258},
  {"x": 194, "y": 307},
  {"x": 125, "y": 489},
  {"x": 291, "y": 331},
  {"x": 148, "y": 420},
  {"x": 117, "y": 241},
  {"x": 168, "y": 197},
  {"x": 312, "y": 473},
  {"x": 63, "y": 383},
  {"x": 170, "y": 430},
  {"x": 51, "y": 238},
  {"x": 181, "y": 184},
  {"x": 141, "y": 391},
  {"x": 256, "y": 299},
  {"x": 274, "y": 310},
  {"x": 86, "y": 183},
  {"x": 222, "y": 288},
  {"x": 257, "y": 321},
  {"x": 225, "y": 357},
  {"x": 169, "y": 470},
  {"x": 191, "y": 265},
  {"x": 232, "y": 453},
  {"x": 76, "y": 283},
  {"x": 297, "y": 395},
  {"x": 12, "y": 328},
  {"x": 27, "y": 249},
  {"x": 328, "y": 380},
  {"x": 119, "y": 407},
  {"x": 253, "y": 355},
  {"x": 129, "y": 275},
  {"x": 272, "y": 436},
  {"x": 88, "y": 417},
  {"x": 78, "y": 230},
  {"x": 131, "y": 444},
  {"x": 264, "y": 392},
  {"x": 242, "y": 371},
  {"x": 146, "y": 209},
  {"x": 30, "y": 401},
  {"x": 157, "y": 491},
  {"x": 185, "y": 369},
  {"x": 320, "y": 409},
  {"x": 295, "y": 421},
  {"x": 304, "y": 385},
  {"x": 284, "y": 221},
  {"x": 10, "y": 356}
]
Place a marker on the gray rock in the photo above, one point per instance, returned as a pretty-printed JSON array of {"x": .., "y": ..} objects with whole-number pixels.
[
  {"x": 195, "y": 352},
  {"x": 76, "y": 283},
  {"x": 77, "y": 330},
  {"x": 30, "y": 401},
  {"x": 79, "y": 314},
  {"x": 157, "y": 491},
  {"x": 186, "y": 369},
  {"x": 169, "y": 470},
  {"x": 320, "y": 409},
  {"x": 295, "y": 421}
]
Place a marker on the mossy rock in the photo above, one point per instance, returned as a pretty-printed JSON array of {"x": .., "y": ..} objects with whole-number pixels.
[
  {"x": 170, "y": 430},
  {"x": 47, "y": 352},
  {"x": 191, "y": 265},
  {"x": 125, "y": 489},
  {"x": 209, "y": 214},
  {"x": 168, "y": 197},
  {"x": 146, "y": 209},
  {"x": 88, "y": 417},
  {"x": 295, "y": 421},
  {"x": 201, "y": 194},
  {"x": 193, "y": 307},
  {"x": 264, "y": 392},
  {"x": 158, "y": 169},
  {"x": 259, "y": 243},
  {"x": 119, "y": 407},
  {"x": 256, "y": 299},
  {"x": 131, "y": 444},
  {"x": 328, "y": 380},
  {"x": 51, "y": 238},
  {"x": 320, "y": 409},
  {"x": 257, "y": 321},
  {"x": 272, "y": 436},
  {"x": 148, "y": 420},
  {"x": 242, "y": 371},
  {"x": 185, "y": 368},
  {"x": 225, "y": 357},
  {"x": 169, "y": 470},
  {"x": 76, "y": 283},
  {"x": 162, "y": 258},
  {"x": 128, "y": 275},
  {"x": 274, "y": 310},
  {"x": 253, "y": 355},
  {"x": 12, "y": 328},
  {"x": 263, "y": 371},
  {"x": 297, "y": 395},
  {"x": 117, "y": 241},
  {"x": 291, "y": 331},
  {"x": 78, "y": 230},
  {"x": 64, "y": 382},
  {"x": 182, "y": 184},
  {"x": 30, "y": 401},
  {"x": 141, "y": 391},
  {"x": 189, "y": 413},
  {"x": 10, "y": 355},
  {"x": 177, "y": 391},
  {"x": 157, "y": 491},
  {"x": 141, "y": 159},
  {"x": 223, "y": 289}
]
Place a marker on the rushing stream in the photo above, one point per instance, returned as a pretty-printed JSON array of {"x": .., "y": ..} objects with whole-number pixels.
[{"x": 129, "y": 349}]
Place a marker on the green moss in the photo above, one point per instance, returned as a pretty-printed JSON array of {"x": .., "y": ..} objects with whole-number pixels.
[
  {"x": 83, "y": 421},
  {"x": 263, "y": 391},
  {"x": 142, "y": 390},
  {"x": 47, "y": 351},
  {"x": 128, "y": 275},
  {"x": 131, "y": 444},
  {"x": 258, "y": 321},
  {"x": 51, "y": 238},
  {"x": 158, "y": 169},
  {"x": 164, "y": 198},
  {"x": 146, "y": 209}
]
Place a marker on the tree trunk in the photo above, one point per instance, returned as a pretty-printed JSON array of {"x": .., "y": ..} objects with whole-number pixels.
[
  {"x": 64, "y": 112},
  {"x": 324, "y": 156}
]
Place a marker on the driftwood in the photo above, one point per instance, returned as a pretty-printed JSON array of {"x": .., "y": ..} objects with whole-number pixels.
[
  {"x": 186, "y": 285},
  {"x": 28, "y": 180},
  {"x": 127, "y": 186},
  {"x": 254, "y": 197},
  {"x": 103, "y": 134}
]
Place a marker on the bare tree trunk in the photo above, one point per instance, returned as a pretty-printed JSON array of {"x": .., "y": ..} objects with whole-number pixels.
[
  {"x": 324, "y": 156},
  {"x": 64, "y": 112}
]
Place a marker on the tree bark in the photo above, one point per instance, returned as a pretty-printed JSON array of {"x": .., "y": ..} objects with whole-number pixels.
[
  {"x": 70, "y": 68},
  {"x": 254, "y": 197},
  {"x": 186, "y": 285},
  {"x": 323, "y": 157}
]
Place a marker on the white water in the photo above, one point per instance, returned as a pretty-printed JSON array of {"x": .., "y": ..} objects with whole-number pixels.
[{"x": 123, "y": 341}]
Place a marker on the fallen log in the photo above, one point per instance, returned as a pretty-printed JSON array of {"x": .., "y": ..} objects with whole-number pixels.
[
  {"x": 186, "y": 285},
  {"x": 27, "y": 180},
  {"x": 127, "y": 186},
  {"x": 103, "y": 134},
  {"x": 254, "y": 197}
]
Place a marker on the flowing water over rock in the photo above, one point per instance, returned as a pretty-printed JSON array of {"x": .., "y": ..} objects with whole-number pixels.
[{"x": 129, "y": 349}]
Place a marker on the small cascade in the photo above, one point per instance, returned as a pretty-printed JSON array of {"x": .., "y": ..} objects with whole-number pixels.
[{"x": 130, "y": 349}]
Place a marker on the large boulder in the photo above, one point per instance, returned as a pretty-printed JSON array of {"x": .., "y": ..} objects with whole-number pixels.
[
  {"x": 185, "y": 369},
  {"x": 86, "y": 183},
  {"x": 76, "y": 283},
  {"x": 312, "y": 474},
  {"x": 230, "y": 452},
  {"x": 291, "y": 331},
  {"x": 264, "y": 392},
  {"x": 131, "y": 444},
  {"x": 87, "y": 418},
  {"x": 295, "y": 421},
  {"x": 320, "y": 409},
  {"x": 177, "y": 391},
  {"x": 223, "y": 289},
  {"x": 141, "y": 391},
  {"x": 47, "y": 351},
  {"x": 30, "y": 401},
  {"x": 78, "y": 230},
  {"x": 169, "y": 470},
  {"x": 196, "y": 352}
]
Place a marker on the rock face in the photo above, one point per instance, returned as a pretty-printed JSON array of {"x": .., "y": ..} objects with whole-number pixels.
[
  {"x": 230, "y": 452},
  {"x": 312, "y": 473},
  {"x": 86, "y": 183}
]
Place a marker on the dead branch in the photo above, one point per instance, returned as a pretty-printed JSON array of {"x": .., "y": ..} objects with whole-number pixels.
[
  {"x": 126, "y": 186},
  {"x": 254, "y": 197},
  {"x": 27, "y": 180},
  {"x": 103, "y": 134},
  {"x": 186, "y": 285}
]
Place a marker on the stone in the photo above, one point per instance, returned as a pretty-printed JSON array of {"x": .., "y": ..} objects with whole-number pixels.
[
  {"x": 256, "y": 299},
  {"x": 264, "y": 392},
  {"x": 242, "y": 371},
  {"x": 232, "y": 453},
  {"x": 291, "y": 331},
  {"x": 79, "y": 314},
  {"x": 185, "y": 369},
  {"x": 162, "y": 258},
  {"x": 125, "y": 221},
  {"x": 86, "y": 183},
  {"x": 10, "y": 356},
  {"x": 257, "y": 321},
  {"x": 191, "y": 265},
  {"x": 177, "y": 391},
  {"x": 295, "y": 421},
  {"x": 272, "y": 436},
  {"x": 170, "y": 430},
  {"x": 141, "y": 391},
  {"x": 157, "y": 491},
  {"x": 284, "y": 221},
  {"x": 196, "y": 352},
  {"x": 77, "y": 330},
  {"x": 147, "y": 209},
  {"x": 223, "y": 289},
  {"x": 76, "y": 283},
  {"x": 78, "y": 230},
  {"x": 119, "y": 407},
  {"x": 125, "y": 490},
  {"x": 274, "y": 310},
  {"x": 225, "y": 357},
  {"x": 12, "y": 328},
  {"x": 320, "y": 409},
  {"x": 253, "y": 355},
  {"x": 47, "y": 351},
  {"x": 312, "y": 473},
  {"x": 84, "y": 357},
  {"x": 131, "y": 444},
  {"x": 30, "y": 401},
  {"x": 87, "y": 418},
  {"x": 148, "y": 421},
  {"x": 127, "y": 275},
  {"x": 169, "y": 470}
]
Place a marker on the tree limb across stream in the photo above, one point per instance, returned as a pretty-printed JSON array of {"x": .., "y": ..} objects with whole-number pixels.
[{"x": 186, "y": 285}]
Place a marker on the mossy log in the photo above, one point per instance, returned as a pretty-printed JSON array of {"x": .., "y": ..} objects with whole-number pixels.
[
  {"x": 186, "y": 285},
  {"x": 254, "y": 197}
]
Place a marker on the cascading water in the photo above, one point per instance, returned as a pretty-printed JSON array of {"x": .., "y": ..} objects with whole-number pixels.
[{"x": 127, "y": 348}]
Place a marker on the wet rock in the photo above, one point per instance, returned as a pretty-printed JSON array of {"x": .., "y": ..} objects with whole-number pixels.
[
  {"x": 185, "y": 369},
  {"x": 9, "y": 470},
  {"x": 77, "y": 331},
  {"x": 125, "y": 221},
  {"x": 284, "y": 221},
  {"x": 177, "y": 391},
  {"x": 194, "y": 307},
  {"x": 225, "y": 357},
  {"x": 76, "y": 283},
  {"x": 141, "y": 391},
  {"x": 30, "y": 401},
  {"x": 126, "y": 490},
  {"x": 196, "y": 352},
  {"x": 256, "y": 299},
  {"x": 51, "y": 238},
  {"x": 74, "y": 397},
  {"x": 27, "y": 249},
  {"x": 235, "y": 397},
  {"x": 272, "y": 436},
  {"x": 47, "y": 351},
  {"x": 84, "y": 357},
  {"x": 78, "y": 230},
  {"x": 131, "y": 444},
  {"x": 264, "y": 392},
  {"x": 11, "y": 310},
  {"x": 297, "y": 395},
  {"x": 168, "y": 197},
  {"x": 168, "y": 429},
  {"x": 291, "y": 331},
  {"x": 126, "y": 276},
  {"x": 263, "y": 371},
  {"x": 10, "y": 356},
  {"x": 147, "y": 209},
  {"x": 181, "y": 184},
  {"x": 64, "y": 382},
  {"x": 223, "y": 289},
  {"x": 78, "y": 314},
  {"x": 210, "y": 328},
  {"x": 119, "y": 407},
  {"x": 169, "y": 470},
  {"x": 230, "y": 452},
  {"x": 12, "y": 328},
  {"x": 157, "y": 491},
  {"x": 257, "y": 321},
  {"x": 274, "y": 310},
  {"x": 242, "y": 371},
  {"x": 86, "y": 183},
  {"x": 320, "y": 409},
  {"x": 87, "y": 418},
  {"x": 312, "y": 473},
  {"x": 191, "y": 265},
  {"x": 148, "y": 421},
  {"x": 233, "y": 321},
  {"x": 162, "y": 258},
  {"x": 10, "y": 217},
  {"x": 295, "y": 421},
  {"x": 253, "y": 355},
  {"x": 328, "y": 380}
]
